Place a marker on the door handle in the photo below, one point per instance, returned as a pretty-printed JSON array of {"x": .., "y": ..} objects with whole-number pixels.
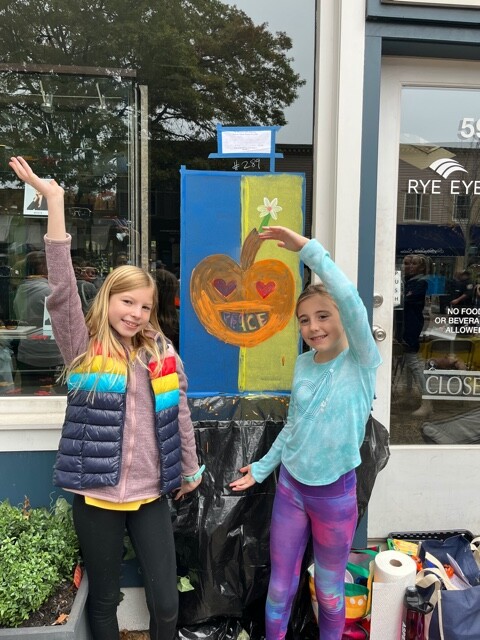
[{"x": 379, "y": 333}]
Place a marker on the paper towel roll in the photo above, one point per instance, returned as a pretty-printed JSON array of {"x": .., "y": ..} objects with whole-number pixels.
[{"x": 393, "y": 573}]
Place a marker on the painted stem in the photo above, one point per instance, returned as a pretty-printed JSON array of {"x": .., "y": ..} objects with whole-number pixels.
[
  {"x": 249, "y": 249},
  {"x": 264, "y": 223}
]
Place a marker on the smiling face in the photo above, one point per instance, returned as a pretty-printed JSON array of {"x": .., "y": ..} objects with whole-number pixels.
[
  {"x": 321, "y": 327},
  {"x": 242, "y": 306},
  {"x": 129, "y": 312}
]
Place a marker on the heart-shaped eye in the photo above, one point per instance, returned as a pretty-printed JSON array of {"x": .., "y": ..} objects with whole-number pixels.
[
  {"x": 224, "y": 288},
  {"x": 265, "y": 288}
]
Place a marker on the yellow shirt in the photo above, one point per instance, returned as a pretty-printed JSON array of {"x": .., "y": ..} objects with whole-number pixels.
[{"x": 117, "y": 506}]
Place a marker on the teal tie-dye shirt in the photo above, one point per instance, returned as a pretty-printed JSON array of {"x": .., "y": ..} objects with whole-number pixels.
[{"x": 330, "y": 402}]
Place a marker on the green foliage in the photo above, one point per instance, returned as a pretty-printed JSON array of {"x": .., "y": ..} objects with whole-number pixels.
[
  {"x": 204, "y": 61},
  {"x": 38, "y": 550}
]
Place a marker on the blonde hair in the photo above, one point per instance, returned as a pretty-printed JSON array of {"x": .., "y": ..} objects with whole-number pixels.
[
  {"x": 421, "y": 259},
  {"x": 313, "y": 290},
  {"x": 103, "y": 339}
]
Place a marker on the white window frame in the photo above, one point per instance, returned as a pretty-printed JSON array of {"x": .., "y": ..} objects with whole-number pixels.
[
  {"x": 28, "y": 423},
  {"x": 421, "y": 198},
  {"x": 455, "y": 217},
  {"x": 31, "y": 423}
]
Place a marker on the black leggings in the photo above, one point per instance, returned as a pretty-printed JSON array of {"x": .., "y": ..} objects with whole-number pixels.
[{"x": 100, "y": 533}]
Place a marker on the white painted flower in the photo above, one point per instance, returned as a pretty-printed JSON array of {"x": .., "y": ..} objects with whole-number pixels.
[{"x": 269, "y": 208}]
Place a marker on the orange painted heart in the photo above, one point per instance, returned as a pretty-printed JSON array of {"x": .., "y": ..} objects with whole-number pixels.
[
  {"x": 265, "y": 289},
  {"x": 243, "y": 304}
]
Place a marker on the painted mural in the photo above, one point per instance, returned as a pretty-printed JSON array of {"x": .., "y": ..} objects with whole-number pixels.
[
  {"x": 243, "y": 304},
  {"x": 238, "y": 332}
]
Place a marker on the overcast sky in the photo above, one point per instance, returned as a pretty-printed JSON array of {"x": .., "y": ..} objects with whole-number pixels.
[
  {"x": 297, "y": 19},
  {"x": 440, "y": 115}
]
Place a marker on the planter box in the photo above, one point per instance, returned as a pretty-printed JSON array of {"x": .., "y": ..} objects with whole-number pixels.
[{"x": 76, "y": 628}]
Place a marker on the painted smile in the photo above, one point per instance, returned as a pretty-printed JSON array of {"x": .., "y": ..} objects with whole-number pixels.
[{"x": 244, "y": 322}]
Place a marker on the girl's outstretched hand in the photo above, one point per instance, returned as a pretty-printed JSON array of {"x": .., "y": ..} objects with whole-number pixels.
[
  {"x": 287, "y": 238},
  {"x": 186, "y": 487},
  {"x": 25, "y": 173},
  {"x": 245, "y": 482}
]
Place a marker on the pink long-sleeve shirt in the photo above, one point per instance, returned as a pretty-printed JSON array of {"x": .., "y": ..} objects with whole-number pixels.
[{"x": 140, "y": 463}]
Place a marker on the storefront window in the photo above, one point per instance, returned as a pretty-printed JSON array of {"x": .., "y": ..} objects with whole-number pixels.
[
  {"x": 111, "y": 101},
  {"x": 76, "y": 129},
  {"x": 436, "y": 351}
]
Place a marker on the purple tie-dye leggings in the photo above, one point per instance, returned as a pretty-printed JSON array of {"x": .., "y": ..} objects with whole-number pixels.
[{"x": 329, "y": 513}]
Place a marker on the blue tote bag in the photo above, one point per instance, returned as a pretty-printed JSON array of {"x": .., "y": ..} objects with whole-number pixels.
[
  {"x": 456, "y": 615},
  {"x": 457, "y": 547}
]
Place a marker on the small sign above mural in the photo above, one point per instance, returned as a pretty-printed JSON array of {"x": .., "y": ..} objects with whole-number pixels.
[
  {"x": 235, "y": 141},
  {"x": 247, "y": 142}
]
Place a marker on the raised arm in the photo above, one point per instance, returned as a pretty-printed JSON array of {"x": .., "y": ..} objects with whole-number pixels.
[
  {"x": 63, "y": 303},
  {"x": 52, "y": 191},
  {"x": 351, "y": 308},
  {"x": 286, "y": 238}
]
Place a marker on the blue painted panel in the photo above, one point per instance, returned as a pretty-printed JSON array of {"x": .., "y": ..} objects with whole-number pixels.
[
  {"x": 368, "y": 191},
  {"x": 210, "y": 219}
]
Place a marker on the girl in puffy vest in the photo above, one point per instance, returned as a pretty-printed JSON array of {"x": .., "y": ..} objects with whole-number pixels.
[
  {"x": 319, "y": 446},
  {"x": 127, "y": 439}
]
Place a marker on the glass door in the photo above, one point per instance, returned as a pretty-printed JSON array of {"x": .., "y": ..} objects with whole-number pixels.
[
  {"x": 428, "y": 275},
  {"x": 436, "y": 327}
]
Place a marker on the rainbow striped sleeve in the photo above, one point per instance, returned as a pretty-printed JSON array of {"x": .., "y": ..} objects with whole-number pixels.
[{"x": 166, "y": 386}]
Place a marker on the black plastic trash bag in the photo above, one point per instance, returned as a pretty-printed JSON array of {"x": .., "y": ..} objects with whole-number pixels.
[
  {"x": 375, "y": 452},
  {"x": 222, "y": 537},
  {"x": 219, "y": 629}
]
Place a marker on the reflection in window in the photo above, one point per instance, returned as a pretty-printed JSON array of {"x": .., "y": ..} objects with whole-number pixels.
[
  {"x": 436, "y": 347},
  {"x": 74, "y": 115},
  {"x": 79, "y": 133},
  {"x": 416, "y": 207},
  {"x": 462, "y": 205}
]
